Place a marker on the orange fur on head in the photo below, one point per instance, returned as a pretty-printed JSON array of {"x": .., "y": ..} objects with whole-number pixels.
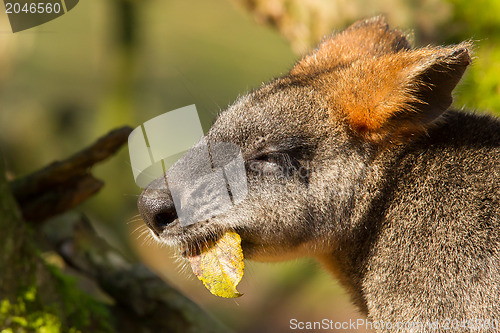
[{"x": 383, "y": 88}]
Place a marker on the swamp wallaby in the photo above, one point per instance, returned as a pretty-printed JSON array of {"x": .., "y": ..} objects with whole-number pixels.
[{"x": 354, "y": 158}]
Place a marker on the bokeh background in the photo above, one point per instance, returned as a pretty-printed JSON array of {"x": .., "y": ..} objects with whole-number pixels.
[{"x": 109, "y": 63}]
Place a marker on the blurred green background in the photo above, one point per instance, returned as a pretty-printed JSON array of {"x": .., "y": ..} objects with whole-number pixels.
[{"x": 109, "y": 63}]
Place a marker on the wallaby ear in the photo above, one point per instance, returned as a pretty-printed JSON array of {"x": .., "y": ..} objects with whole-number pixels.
[
  {"x": 412, "y": 91},
  {"x": 373, "y": 36},
  {"x": 364, "y": 38}
]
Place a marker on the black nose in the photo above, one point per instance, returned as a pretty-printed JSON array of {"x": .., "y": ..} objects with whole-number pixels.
[
  {"x": 156, "y": 206},
  {"x": 163, "y": 218}
]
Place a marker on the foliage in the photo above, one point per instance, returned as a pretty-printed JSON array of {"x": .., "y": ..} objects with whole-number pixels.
[
  {"x": 479, "y": 21},
  {"x": 73, "y": 311},
  {"x": 479, "y": 18},
  {"x": 481, "y": 87},
  {"x": 19, "y": 316}
]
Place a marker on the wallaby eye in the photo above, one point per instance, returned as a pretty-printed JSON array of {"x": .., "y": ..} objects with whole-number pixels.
[
  {"x": 270, "y": 163},
  {"x": 274, "y": 157}
]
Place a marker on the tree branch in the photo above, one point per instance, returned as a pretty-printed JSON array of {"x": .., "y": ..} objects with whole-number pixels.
[{"x": 62, "y": 185}]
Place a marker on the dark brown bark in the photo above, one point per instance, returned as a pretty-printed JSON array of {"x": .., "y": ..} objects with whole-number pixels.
[{"x": 62, "y": 185}]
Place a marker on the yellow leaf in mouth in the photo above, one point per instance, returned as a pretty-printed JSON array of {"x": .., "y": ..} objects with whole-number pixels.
[{"x": 220, "y": 267}]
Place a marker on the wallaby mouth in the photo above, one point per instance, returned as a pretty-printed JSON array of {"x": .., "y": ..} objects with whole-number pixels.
[
  {"x": 195, "y": 248},
  {"x": 190, "y": 240}
]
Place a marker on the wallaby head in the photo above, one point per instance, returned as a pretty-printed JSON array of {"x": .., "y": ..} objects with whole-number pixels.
[
  {"x": 308, "y": 137},
  {"x": 317, "y": 144}
]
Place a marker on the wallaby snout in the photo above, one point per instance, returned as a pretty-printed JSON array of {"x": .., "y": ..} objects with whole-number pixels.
[{"x": 156, "y": 206}]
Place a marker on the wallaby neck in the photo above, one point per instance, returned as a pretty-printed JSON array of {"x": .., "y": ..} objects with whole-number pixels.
[{"x": 416, "y": 191}]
